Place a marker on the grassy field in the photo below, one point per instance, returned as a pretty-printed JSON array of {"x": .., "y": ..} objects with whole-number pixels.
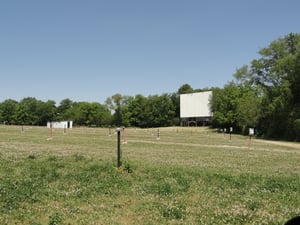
[{"x": 188, "y": 176}]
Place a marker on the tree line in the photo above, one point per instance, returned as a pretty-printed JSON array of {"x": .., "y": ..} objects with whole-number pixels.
[
  {"x": 264, "y": 95},
  {"x": 139, "y": 111}
]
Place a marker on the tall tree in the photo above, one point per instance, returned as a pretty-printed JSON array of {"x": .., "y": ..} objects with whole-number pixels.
[
  {"x": 160, "y": 110},
  {"x": 46, "y": 111},
  {"x": 224, "y": 104},
  {"x": 175, "y": 98},
  {"x": 114, "y": 104},
  {"x": 277, "y": 75},
  {"x": 8, "y": 111},
  {"x": 27, "y": 112},
  {"x": 185, "y": 89},
  {"x": 136, "y": 113},
  {"x": 63, "y": 107}
]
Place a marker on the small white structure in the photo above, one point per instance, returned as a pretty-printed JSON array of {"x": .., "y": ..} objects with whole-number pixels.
[
  {"x": 251, "y": 131},
  {"x": 195, "y": 107},
  {"x": 60, "y": 124}
]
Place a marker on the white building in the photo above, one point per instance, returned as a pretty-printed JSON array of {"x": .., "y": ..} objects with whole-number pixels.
[
  {"x": 195, "y": 108},
  {"x": 60, "y": 124}
]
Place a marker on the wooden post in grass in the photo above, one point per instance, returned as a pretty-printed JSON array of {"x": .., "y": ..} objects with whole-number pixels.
[
  {"x": 51, "y": 130},
  {"x": 158, "y": 134},
  {"x": 251, "y": 133},
  {"x": 119, "y": 163},
  {"x": 230, "y": 130}
]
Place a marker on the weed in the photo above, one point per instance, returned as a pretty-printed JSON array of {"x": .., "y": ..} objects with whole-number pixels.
[
  {"x": 173, "y": 211},
  {"x": 128, "y": 168},
  {"x": 55, "y": 219},
  {"x": 78, "y": 157},
  {"x": 31, "y": 157},
  {"x": 253, "y": 205}
]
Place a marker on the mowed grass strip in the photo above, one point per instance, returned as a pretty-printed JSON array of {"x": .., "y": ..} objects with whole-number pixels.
[{"x": 188, "y": 176}]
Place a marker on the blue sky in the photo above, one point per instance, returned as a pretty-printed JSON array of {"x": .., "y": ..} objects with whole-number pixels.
[{"x": 88, "y": 50}]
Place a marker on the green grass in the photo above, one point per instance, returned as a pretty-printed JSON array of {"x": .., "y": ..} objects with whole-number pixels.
[{"x": 189, "y": 176}]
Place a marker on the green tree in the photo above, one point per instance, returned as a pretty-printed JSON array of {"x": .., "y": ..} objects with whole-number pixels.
[
  {"x": 249, "y": 103},
  {"x": 224, "y": 105},
  {"x": 8, "y": 111},
  {"x": 62, "y": 109},
  {"x": 185, "y": 89},
  {"x": 118, "y": 105},
  {"x": 160, "y": 110},
  {"x": 98, "y": 115},
  {"x": 140, "y": 111},
  {"x": 248, "y": 111},
  {"x": 80, "y": 113},
  {"x": 175, "y": 98},
  {"x": 88, "y": 114},
  {"x": 46, "y": 111},
  {"x": 297, "y": 129},
  {"x": 276, "y": 74},
  {"x": 26, "y": 112},
  {"x": 136, "y": 111}
]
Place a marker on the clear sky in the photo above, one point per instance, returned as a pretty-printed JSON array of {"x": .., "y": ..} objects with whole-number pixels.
[{"x": 88, "y": 50}]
